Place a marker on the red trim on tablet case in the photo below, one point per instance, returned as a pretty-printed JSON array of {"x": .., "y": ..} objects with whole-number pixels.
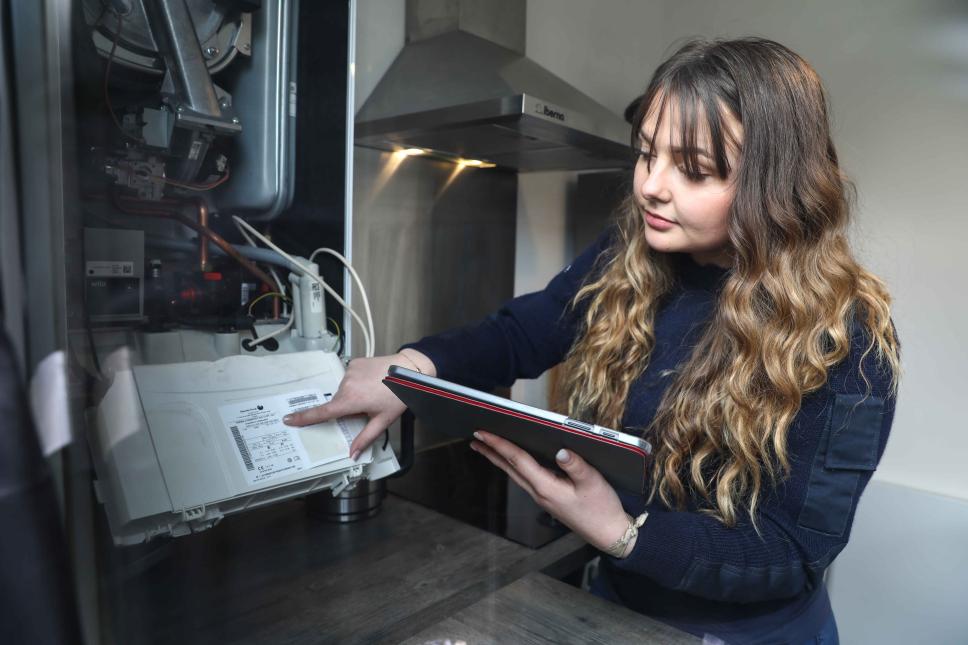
[{"x": 513, "y": 413}]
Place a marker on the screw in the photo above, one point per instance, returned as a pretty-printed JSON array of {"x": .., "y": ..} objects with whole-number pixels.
[
  {"x": 235, "y": 120},
  {"x": 211, "y": 52},
  {"x": 180, "y": 108}
]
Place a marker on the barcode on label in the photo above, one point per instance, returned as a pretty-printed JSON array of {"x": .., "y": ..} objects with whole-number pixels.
[
  {"x": 349, "y": 436},
  {"x": 243, "y": 449},
  {"x": 303, "y": 399}
]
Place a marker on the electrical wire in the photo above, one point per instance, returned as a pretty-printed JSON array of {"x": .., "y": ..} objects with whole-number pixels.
[
  {"x": 104, "y": 10},
  {"x": 195, "y": 187},
  {"x": 257, "y": 254},
  {"x": 356, "y": 278},
  {"x": 263, "y": 297},
  {"x": 339, "y": 335},
  {"x": 339, "y": 330},
  {"x": 368, "y": 342},
  {"x": 284, "y": 328},
  {"x": 114, "y": 117},
  {"x": 87, "y": 326},
  {"x": 107, "y": 76},
  {"x": 152, "y": 209},
  {"x": 272, "y": 271}
]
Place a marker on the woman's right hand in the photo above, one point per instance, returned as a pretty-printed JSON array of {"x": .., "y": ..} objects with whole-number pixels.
[{"x": 362, "y": 392}]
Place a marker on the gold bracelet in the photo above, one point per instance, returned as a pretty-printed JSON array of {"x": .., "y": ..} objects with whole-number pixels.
[
  {"x": 617, "y": 548},
  {"x": 412, "y": 362}
]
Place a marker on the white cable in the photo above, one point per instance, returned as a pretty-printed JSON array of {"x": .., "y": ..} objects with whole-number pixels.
[
  {"x": 359, "y": 285},
  {"x": 262, "y": 339},
  {"x": 368, "y": 342},
  {"x": 367, "y": 332},
  {"x": 272, "y": 271}
]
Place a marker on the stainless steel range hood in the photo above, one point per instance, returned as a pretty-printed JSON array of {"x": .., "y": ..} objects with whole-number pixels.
[{"x": 455, "y": 91}]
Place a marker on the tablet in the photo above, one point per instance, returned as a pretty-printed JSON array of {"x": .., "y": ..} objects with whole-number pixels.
[{"x": 458, "y": 411}]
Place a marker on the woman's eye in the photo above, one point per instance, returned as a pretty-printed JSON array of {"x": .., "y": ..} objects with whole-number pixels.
[
  {"x": 644, "y": 154},
  {"x": 697, "y": 177}
]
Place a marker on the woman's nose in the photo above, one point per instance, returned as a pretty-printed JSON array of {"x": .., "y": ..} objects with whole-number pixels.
[{"x": 655, "y": 186}]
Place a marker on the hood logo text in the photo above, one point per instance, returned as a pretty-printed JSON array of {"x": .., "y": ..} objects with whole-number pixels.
[{"x": 541, "y": 108}]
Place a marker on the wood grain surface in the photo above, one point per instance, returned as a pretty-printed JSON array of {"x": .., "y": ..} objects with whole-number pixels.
[
  {"x": 277, "y": 576},
  {"x": 537, "y": 609}
]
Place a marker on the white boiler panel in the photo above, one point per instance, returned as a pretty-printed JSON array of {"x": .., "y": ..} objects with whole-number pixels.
[{"x": 178, "y": 446}]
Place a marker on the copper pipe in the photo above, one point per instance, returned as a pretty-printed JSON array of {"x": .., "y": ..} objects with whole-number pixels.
[
  {"x": 137, "y": 207},
  {"x": 202, "y": 240}
]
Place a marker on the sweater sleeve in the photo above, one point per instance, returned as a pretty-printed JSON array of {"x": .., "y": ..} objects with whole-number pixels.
[
  {"x": 525, "y": 337},
  {"x": 835, "y": 444}
]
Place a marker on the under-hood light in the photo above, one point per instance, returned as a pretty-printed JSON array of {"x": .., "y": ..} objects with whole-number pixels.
[
  {"x": 476, "y": 163},
  {"x": 402, "y": 153}
]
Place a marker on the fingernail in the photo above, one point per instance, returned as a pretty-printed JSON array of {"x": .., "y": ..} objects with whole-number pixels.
[
  {"x": 477, "y": 435},
  {"x": 286, "y": 419},
  {"x": 355, "y": 455},
  {"x": 474, "y": 447},
  {"x": 563, "y": 456}
]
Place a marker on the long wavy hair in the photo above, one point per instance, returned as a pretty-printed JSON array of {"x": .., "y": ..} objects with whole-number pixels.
[{"x": 789, "y": 303}]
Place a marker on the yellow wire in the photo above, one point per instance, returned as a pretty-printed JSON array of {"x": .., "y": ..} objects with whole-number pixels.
[
  {"x": 266, "y": 295},
  {"x": 338, "y": 330}
]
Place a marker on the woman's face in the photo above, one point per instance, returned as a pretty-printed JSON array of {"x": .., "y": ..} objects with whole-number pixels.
[{"x": 683, "y": 214}]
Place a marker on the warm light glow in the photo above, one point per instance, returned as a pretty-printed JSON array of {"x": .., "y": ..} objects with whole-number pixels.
[
  {"x": 458, "y": 167},
  {"x": 400, "y": 154},
  {"x": 474, "y": 163},
  {"x": 388, "y": 170}
]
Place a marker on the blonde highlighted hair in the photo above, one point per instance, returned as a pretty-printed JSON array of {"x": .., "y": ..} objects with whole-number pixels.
[{"x": 787, "y": 309}]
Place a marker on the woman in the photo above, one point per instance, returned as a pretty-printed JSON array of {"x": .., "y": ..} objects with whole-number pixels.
[{"x": 724, "y": 318}]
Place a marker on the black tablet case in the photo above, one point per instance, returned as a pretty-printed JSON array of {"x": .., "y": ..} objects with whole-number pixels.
[{"x": 459, "y": 416}]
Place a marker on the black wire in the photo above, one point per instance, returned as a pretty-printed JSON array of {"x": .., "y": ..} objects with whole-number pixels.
[
  {"x": 90, "y": 339},
  {"x": 100, "y": 16},
  {"x": 246, "y": 342},
  {"x": 107, "y": 76},
  {"x": 87, "y": 323},
  {"x": 340, "y": 336},
  {"x": 386, "y": 438}
]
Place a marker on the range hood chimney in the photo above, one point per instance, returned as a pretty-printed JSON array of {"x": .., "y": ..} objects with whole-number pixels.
[{"x": 462, "y": 88}]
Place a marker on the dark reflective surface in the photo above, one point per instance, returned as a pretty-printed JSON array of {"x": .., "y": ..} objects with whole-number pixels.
[{"x": 454, "y": 480}]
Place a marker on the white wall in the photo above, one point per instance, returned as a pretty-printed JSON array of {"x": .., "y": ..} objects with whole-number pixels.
[
  {"x": 897, "y": 74},
  {"x": 901, "y": 579}
]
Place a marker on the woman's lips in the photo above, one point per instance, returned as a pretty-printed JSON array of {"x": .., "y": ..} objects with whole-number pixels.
[{"x": 657, "y": 222}]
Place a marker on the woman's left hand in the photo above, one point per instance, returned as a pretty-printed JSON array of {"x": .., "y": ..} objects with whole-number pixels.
[{"x": 582, "y": 500}]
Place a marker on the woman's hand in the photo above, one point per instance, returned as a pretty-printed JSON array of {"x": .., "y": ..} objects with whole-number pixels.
[
  {"x": 583, "y": 500},
  {"x": 362, "y": 392}
]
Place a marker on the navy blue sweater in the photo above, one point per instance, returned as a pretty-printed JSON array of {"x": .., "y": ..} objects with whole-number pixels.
[{"x": 687, "y": 568}]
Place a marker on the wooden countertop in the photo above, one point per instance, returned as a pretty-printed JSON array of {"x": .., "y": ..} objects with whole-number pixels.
[
  {"x": 539, "y": 609},
  {"x": 278, "y": 576}
]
